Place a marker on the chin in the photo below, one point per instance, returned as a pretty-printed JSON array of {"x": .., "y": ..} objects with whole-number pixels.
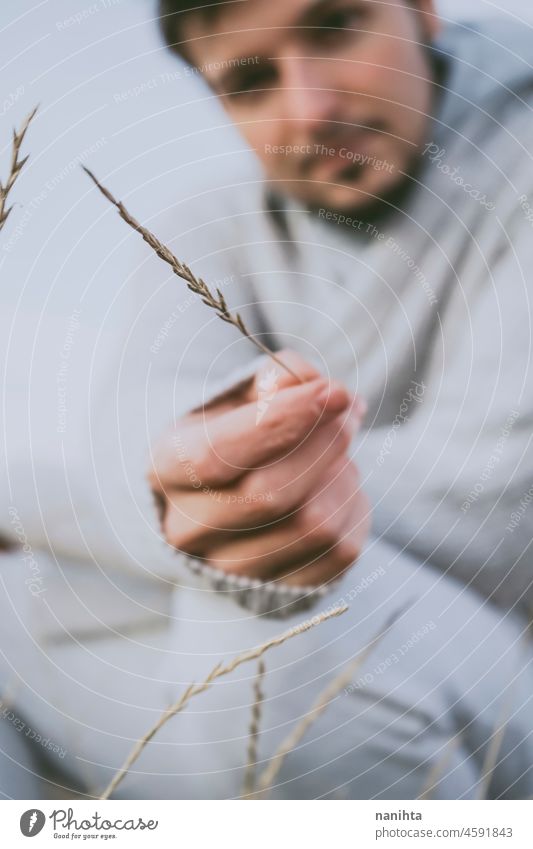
[
  {"x": 350, "y": 196},
  {"x": 348, "y": 193}
]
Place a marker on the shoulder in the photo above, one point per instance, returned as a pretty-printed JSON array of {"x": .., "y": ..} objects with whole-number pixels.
[
  {"x": 214, "y": 208},
  {"x": 488, "y": 59}
]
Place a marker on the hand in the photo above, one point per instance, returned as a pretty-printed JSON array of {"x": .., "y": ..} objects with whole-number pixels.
[{"x": 260, "y": 484}]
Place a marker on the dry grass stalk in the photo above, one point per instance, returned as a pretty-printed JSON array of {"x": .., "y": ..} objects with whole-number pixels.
[
  {"x": 195, "y": 284},
  {"x": 217, "y": 672},
  {"x": 269, "y": 774},
  {"x": 438, "y": 769},
  {"x": 490, "y": 761},
  {"x": 15, "y": 167},
  {"x": 255, "y": 724},
  {"x": 7, "y": 699}
]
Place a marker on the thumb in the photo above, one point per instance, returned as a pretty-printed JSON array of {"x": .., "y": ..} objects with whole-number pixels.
[{"x": 271, "y": 376}]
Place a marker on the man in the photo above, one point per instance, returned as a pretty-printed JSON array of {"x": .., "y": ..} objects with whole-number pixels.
[
  {"x": 385, "y": 251},
  {"x": 355, "y": 116}
]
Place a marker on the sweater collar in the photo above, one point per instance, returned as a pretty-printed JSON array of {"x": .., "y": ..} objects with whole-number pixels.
[{"x": 459, "y": 59}]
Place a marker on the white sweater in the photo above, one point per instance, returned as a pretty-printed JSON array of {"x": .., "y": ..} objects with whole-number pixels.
[{"x": 428, "y": 318}]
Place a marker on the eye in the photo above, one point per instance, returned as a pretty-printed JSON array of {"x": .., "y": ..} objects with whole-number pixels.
[
  {"x": 255, "y": 80},
  {"x": 337, "y": 26}
]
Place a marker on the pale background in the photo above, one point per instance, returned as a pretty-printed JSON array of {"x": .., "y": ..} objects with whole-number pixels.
[{"x": 67, "y": 254}]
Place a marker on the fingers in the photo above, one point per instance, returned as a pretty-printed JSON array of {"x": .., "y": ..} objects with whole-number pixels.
[
  {"x": 271, "y": 373},
  {"x": 321, "y": 539},
  {"x": 261, "y": 485},
  {"x": 195, "y": 519},
  {"x": 320, "y": 570},
  {"x": 343, "y": 514},
  {"x": 339, "y": 557},
  {"x": 220, "y": 450},
  {"x": 311, "y": 531}
]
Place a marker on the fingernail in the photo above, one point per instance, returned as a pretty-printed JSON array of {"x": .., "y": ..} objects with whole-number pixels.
[
  {"x": 360, "y": 406},
  {"x": 334, "y": 396},
  {"x": 353, "y": 423}
]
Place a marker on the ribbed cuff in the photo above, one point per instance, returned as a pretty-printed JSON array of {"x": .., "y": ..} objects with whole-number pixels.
[
  {"x": 270, "y": 599},
  {"x": 273, "y": 599}
]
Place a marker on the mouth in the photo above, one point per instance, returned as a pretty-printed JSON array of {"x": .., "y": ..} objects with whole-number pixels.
[
  {"x": 344, "y": 159},
  {"x": 350, "y": 174}
]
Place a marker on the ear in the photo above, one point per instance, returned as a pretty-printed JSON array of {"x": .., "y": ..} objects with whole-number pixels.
[{"x": 429, "y": 17}]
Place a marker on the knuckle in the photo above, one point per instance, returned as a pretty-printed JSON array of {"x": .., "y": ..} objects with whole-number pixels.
[
  {"x": 228, "y": 567},
  {"x": 254, "y": 483},
  {"x": 257, "y": 501},
  {"x": 247, "y": 568},
  {"x": 179, "y": 536},
  {"x": 318, "y": 529},
  {"x": 347, "y": 551},
  {"x": 286, "y": 433},
  {"x": 154, "y": 480},
  {"x": 275, "y": 423},
  {"x": 171, "y": 531},
  {"x": 204, "y": 467},
  {"x": 160, "y": 504},
  {"x": 161, "y": 463},
  {"x": 344, "y": 438},
  {"x": 316, "y": 403},
  {"x": 298, "y": 363},
  {"x": 200, "y": 462},
  {"x": 353, "y": 476}
]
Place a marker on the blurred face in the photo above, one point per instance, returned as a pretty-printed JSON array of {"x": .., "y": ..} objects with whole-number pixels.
[{"x": 333, "y": 95}]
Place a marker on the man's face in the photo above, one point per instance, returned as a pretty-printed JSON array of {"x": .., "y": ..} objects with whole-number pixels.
[{"x": 333, "y": 95}]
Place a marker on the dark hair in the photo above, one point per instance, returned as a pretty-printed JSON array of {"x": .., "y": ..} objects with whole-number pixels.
[{"x": 172, "y": 13}]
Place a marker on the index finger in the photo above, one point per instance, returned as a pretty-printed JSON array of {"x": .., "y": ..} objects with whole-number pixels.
[{"x": 221, "y": 449}]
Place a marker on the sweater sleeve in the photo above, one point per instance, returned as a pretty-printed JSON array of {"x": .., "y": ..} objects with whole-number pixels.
[
  {"x": 262, "y": 598},
  {"x": 171, "y": 354}
]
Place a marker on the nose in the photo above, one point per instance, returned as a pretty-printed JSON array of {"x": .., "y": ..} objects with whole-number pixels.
[{"x": 308, "y": 98}]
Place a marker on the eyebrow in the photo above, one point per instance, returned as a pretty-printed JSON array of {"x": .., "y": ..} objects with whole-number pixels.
[
  {"x": 308, "y": 18},
  {"x": 229, "y": 79},
  {"x": 312, "y": 13}
]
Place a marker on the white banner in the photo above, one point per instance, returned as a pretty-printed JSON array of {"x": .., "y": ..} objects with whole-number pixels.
[{"x": 268, "y": 824}]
